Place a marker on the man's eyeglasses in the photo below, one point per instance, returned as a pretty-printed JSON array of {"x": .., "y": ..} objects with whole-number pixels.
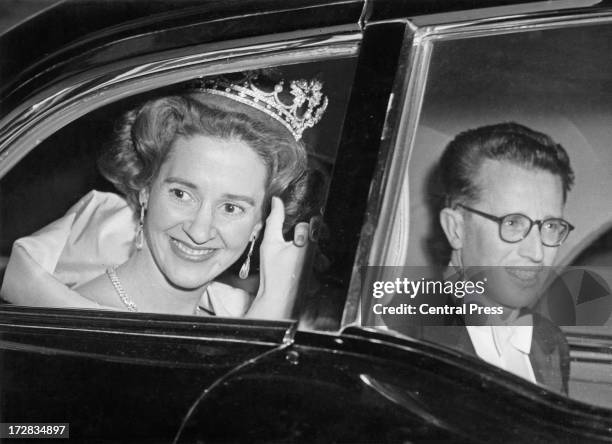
[{"x": 515, "y": 227}]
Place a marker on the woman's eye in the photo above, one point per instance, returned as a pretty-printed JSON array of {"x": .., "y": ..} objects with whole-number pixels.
[
  {"x": 232, "y": 209},
  {"x": 180, "y": 194}
]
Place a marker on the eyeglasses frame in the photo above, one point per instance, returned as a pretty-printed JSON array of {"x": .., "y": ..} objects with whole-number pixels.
[{"x": 538, "y": 222}]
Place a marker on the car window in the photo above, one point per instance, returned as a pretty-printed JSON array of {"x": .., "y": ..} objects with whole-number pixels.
[
  {"x": 553, "y": 78},
  {"x": 61, "y": 167}
]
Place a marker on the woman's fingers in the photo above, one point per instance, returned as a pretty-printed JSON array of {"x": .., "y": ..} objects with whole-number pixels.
[
  {"x": 300, "y": 234},
  {"x": 274, "y": 225}
]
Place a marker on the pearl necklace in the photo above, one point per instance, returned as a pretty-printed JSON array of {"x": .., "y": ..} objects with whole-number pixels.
[{"x": 111, "y": 272}]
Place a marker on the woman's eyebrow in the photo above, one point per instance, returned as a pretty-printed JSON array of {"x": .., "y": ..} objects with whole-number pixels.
[
  {"x": 240, "y": 197},
  {"x": 180, "y": 181},
  {"x": 247, "y": 199}
]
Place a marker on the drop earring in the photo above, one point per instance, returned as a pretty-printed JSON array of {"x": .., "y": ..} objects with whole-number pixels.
[
  {"x": 246, "y": 267},
  {"x": 139, "y": 241}
]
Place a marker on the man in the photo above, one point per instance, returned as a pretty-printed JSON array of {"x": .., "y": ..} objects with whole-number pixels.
[{"x": 505, "y": 188}]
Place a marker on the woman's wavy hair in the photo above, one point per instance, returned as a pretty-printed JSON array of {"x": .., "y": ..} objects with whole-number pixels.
[{"x": 145, "y": 136}]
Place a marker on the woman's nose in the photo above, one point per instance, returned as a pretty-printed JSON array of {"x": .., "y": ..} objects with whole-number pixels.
[{"x": 201, "y": 228}]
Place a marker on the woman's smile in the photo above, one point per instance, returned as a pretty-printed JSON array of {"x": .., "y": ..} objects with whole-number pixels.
[{"x": 194, "y": 254}]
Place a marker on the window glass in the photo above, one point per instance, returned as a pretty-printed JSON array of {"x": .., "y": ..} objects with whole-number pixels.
[
  {"x": 63, "y": 168},
  {"x": 554, "y": 81}
]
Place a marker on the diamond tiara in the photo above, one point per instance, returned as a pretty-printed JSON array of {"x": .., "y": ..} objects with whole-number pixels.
[{"x": 303, "y": 109}]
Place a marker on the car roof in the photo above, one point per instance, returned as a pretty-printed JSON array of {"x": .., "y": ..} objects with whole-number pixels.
[
  {"x": 69, "y": 28},
  {"x": 45, "y": 28}
]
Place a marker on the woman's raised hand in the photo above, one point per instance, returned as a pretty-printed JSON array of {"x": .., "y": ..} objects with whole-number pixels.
[{"x": 281, "y": 263}]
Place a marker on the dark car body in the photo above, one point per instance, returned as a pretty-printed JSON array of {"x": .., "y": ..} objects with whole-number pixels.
[{"x": 118, "y": 377}]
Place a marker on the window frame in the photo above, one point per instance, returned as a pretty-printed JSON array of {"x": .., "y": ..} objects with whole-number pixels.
[
  {"x": 388, "y": 245},
  {"x": 390, "y": 228},
  {"x": 63, "y": 102}
]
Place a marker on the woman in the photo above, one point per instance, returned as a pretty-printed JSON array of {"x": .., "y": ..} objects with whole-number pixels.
[{"x": 200, "y": 171}]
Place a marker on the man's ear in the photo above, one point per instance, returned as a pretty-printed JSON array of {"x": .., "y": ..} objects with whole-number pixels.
[{"x": 453, "y": 225}]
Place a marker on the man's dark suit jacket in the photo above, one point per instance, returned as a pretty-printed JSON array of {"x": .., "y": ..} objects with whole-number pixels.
[{"x": 549, "y": 353}]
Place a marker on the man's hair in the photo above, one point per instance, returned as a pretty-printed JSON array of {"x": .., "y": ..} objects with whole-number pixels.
[{"x": 509, "y": 142}]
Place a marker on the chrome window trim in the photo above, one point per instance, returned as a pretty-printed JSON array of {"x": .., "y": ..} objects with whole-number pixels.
[
  {"x": 527, "y": 11},
  {"x": 511, "y": 25},
  {"x": 62, "y": 103}
]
